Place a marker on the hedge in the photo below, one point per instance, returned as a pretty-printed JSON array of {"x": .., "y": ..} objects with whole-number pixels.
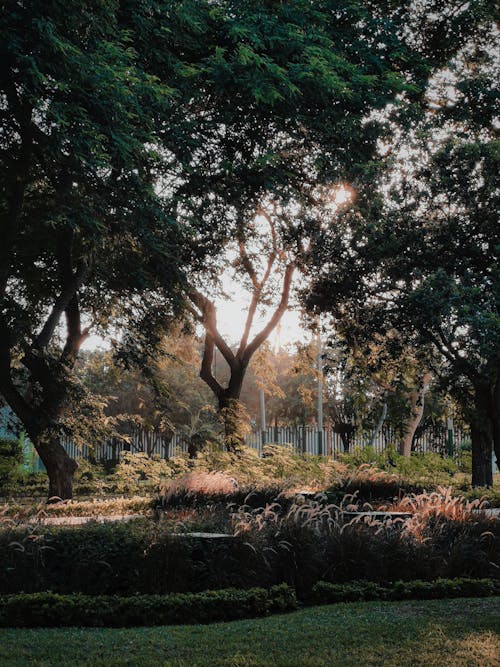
[
  {"x": 326, "y": 593},
  {"x": 54, "y": 610}
]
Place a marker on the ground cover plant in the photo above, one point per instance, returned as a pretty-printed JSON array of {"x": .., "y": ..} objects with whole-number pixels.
[
  {"x": 438, "y": 633},
  {"x": 291, "y": 539}
]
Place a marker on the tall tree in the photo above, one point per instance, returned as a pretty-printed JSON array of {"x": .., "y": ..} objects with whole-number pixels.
[
  {"x": 288, "y": 114},
  {"x": 424, "y": 258},
  {"x": 85, "y": 237}
]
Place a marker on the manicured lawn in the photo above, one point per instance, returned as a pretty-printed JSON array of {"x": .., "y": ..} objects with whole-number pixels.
[{"x": 442, "y": 633}]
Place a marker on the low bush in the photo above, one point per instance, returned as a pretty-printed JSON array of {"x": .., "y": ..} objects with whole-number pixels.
[
  {"x": 11, "y": 457},
  {"x": 298, "y": 543},
  {"x": 312, "y": 541},
  {"x": 53, "y": 610},
  {"x": 120, "y": 558},
  {"x": 359, "y": 591}
]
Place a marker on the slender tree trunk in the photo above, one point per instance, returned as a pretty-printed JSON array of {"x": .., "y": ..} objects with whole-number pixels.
[
  {"x": 379, "y": 425},
  {"x": 60, "y": 466},
  {"x": 482, "y": 429},
  {"x": 417, "y": 398}
]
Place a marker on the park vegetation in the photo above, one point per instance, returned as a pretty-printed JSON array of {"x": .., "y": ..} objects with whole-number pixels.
[{"x": 146, "y": 146}]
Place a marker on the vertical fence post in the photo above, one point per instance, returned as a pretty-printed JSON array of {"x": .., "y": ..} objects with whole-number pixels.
[
  {"x": 263, "y": 428},
  {"x": 449, "y": 427},
  {"x": 320, "y": 398}
]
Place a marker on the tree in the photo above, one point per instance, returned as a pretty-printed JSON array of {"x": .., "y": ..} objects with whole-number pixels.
[
  {"x": 289, "y": 125},
  {"x": 85, "y": 237},
  {"x": 422, "y": 257},
  {"x": 204, "y": 311}
]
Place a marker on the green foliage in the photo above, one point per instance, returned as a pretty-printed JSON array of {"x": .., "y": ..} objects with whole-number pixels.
[
  {"x": 11, "y": 456},
  {"x": 53, "y": 610},
  {"x": 437, "y": 633},
  {"x": 276, "y": 540},
  {"x": 427, "y": 467},
  {"x": 326, "y": 593},
  {"x": 136, "y": 470}
]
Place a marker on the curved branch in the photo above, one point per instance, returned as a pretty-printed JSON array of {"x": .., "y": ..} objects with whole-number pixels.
[
  {"x": 276, "y": 317},
  {"x": 206, "y": 366},
  {"x": 208, "y": 318}
]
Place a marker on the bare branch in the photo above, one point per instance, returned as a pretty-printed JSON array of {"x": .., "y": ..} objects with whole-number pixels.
[
  {"x": 209, "y": 321},
  {"x": 60, "y": 305},
  {"x": 248, "y": 265},
  {"x": 276, "y": 317},
  {"x": 206, "y": 366}
]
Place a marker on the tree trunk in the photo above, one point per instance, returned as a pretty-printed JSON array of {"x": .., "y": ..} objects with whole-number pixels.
[
  {"x": 495, "y": 418},
  {"x": 231, "y": 410},
  {"x": 417, "y": 398},
  {"x": 379, "y": 425},
  {"x": 482, "y": 469},
  {"x": 481, "y": 429},
  {"x": 60, "y": 466},
  {"x": 231, "y": 413}
]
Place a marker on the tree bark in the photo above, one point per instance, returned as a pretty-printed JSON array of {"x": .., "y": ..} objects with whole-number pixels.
[
  {"x": 379, "y": 425},
  {"x": 495, "y": 418},
  {"x": 231, "y": 411},
  {"x": 482, "y": 469},
  {"x": 60, "y": 466},
  {"x": 481, "y": 428},
  {"x": 417, "y": 398}
]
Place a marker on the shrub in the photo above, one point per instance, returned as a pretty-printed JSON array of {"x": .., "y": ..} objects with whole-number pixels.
[
  {"x": 119, "y": 558},
  {"x": 312, "y": 541},
  {"x": 327, "y": 593},
  {"x": 11, "y": 457},
  {"x": 53, "y": 610}
]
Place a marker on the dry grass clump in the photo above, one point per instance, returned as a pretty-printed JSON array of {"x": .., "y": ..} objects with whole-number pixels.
[
  {"x": 201, "y": 483},
  {"x": 94, "y": 508},
  {"x": 372, "y": 484},
  {"x": 439, "y": 503},
  {"x": 312, "y": 541},
  {"x": 435, "y": 511}
]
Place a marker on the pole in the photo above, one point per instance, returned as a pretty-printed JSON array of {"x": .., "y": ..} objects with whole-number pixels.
[
  {"x": 263, "y": 428},
  {"x": 320, "y": 397},
  {"x": 449, "y": 427}
]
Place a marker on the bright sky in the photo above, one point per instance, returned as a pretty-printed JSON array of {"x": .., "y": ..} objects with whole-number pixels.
[
  {"x": 231, "y": 318},
  {"x": 232, "y": 312}
]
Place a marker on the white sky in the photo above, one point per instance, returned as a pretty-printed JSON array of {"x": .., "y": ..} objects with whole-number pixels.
[{"x": 231, "y": 317}]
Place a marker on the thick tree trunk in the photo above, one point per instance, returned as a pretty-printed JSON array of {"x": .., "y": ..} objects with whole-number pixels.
[
  {"x": 417, "y": 398},
  {"x": 60, "y": 466},
  {"x": 232, "y": 411},
  {"x": 482, "y": 469},
  {"x": 232, "y": 416},
  {"x": 481, "y": 429},
  {"x": 495, "y": 418}
]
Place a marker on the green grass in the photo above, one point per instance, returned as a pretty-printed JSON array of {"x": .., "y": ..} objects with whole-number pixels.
[{"x": 439, "y": 633}]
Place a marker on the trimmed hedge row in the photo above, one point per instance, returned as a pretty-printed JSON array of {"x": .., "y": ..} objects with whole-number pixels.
[
  {"x": 53, "y": 610},
  {"x": 359, "y": 591}
]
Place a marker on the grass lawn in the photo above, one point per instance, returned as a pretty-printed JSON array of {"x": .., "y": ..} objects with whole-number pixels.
[{"x": 440, "y": 633}]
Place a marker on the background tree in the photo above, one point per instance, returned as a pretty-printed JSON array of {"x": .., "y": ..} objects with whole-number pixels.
[
  {"x": 289, "y": 124},
  {"x": 422, "y": 258}
]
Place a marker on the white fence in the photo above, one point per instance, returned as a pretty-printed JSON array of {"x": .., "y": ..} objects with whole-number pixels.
[{"x": 305, "y": 439}]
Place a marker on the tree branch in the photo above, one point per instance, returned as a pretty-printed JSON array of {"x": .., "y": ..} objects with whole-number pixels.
[
  {"x": 206, "y": 366},
  {"x": 276, "y": 317},
  {"x": 60, "y": 305},
  {"x": 209, "y": 320}
]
